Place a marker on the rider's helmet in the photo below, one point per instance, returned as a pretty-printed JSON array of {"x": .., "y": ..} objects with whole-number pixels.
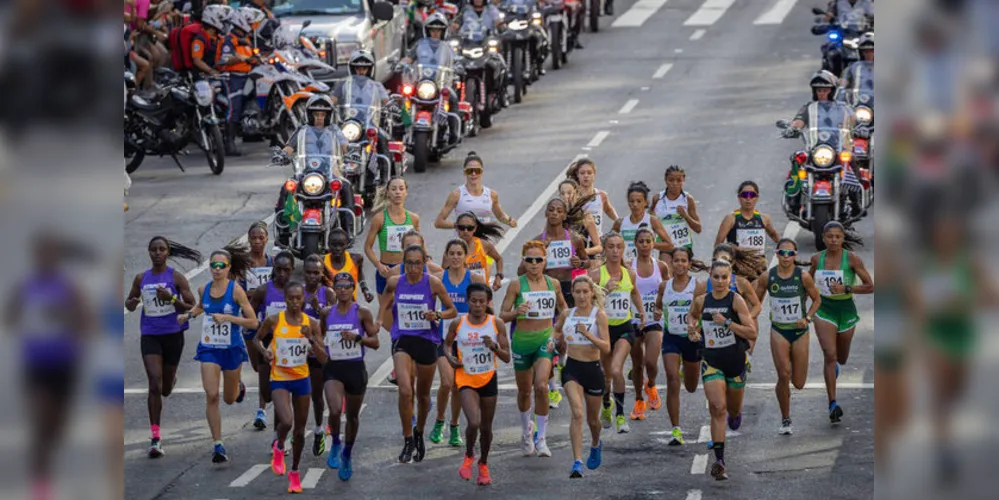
[
  {"x": 247, "y": 18},
  {"x": 865, "y": 43},
  {"x": 215, "y": 16},
  {"x": 436, "y": 21},
  {"x": 319, "y": 102},
  {"x": 360, "y": 59},
  {"x": 425, "y": 3},
  {"x": 822, "y": 79}
]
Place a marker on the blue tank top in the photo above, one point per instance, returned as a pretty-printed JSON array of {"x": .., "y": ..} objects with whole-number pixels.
[
  {"x": 225, "y": 305},
  {"x": 158, "y": 317},
  {"x": 412, "y": 301},
  {"x": 458, "y": 296}
]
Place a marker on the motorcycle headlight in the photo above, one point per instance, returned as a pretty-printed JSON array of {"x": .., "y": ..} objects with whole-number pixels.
[
  {"x": 352, "y": 131},
  {"x": 426, "y": 90},
  {"x": 864, "y": 115},
  {"x": 313, "y": 184},
  {"x": 823, "y": 156},
  {"x": 203, "y": 93},
  {"x": 454, "y": 43},
  {"x": 472, "y": 53},
  {"x": 536, "y": 18},
  {"x": 492, "y": 42},
  {"x": 517, "y": 25}
]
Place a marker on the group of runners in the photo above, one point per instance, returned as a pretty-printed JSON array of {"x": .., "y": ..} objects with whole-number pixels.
[{"x": 588, "y": 293}]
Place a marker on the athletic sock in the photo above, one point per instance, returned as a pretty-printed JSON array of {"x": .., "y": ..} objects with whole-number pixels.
[
  {"x": 619, "y": 403},
  {"x": 525, "y": 421},
  {"x": 719, "y": 451},
  {"x": 155, "y": 430},
  {"x": 542, "y": 425},
  {"x": 218, "y": 443}
]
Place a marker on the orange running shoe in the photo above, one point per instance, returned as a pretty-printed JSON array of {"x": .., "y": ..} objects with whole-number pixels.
[
  {"x": 653, "y": 396},
  {"x": 277, "y": 459},
  {"x": 484, "y": 478},
  {"x": 294, "y": 482},
  {"x": 639, "y": 412},
  {"x": 466, "y": 468}
]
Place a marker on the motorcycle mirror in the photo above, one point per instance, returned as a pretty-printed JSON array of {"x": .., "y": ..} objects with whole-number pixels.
[
  {"x": 782, "y": 124},
  {"x": 307, "y": 23},
  {"x": 820, "y": 29},
  {"x": 382, "y": 11},
  {"x": 817, "y": 11}
]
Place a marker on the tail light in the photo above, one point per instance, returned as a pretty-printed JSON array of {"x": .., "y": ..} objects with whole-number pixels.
[
  {"x": 335, "y": 185},
  {"x": 801, "y": 157},
  {"x": 407, "y": 90},
  {"x": 290, "y": 185},
  {"x": 465, "y": 107},
  {"x": 358, "y": 205},
  {"x": 845, "y": 157}
]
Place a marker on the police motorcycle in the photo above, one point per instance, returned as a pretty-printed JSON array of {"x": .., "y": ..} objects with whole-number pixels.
[
  {"x": 860, "y": 96},
  {"x": 525, "y": 43},
  {"x": 842, "y": 37},
  {"x": 427, "y": 97},
  {"x": 372, "y": 158},
  {"x": 483, "y": 75},
  {"x": 817, "y": 189},
  {"x": 316, "y": 199},
  {"x": 557, "y": 14}
]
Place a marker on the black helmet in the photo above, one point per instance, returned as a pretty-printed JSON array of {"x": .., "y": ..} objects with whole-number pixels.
[
  {"x": 360, "y": 59},
  {"x": 319, "y": 102}
]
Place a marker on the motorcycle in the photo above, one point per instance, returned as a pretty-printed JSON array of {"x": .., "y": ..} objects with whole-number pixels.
[
  {"x": 820, "y": 168},
  {"x": 425, "y": 96},
  {"x": 861, "y": 99},
  {"x": 164, "y": 123},
  {"x": 478, "y": 56},
  {"x": 363, "y": 166},
  {"x": 525, "y": 45},
  {"x": 840, "y": 49},
  {"x": 557, "y": 22},
  {"x": 316, "y": 202}
]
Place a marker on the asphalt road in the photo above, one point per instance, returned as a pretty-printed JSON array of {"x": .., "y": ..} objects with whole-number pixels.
[{"x": 696, "y": 83}]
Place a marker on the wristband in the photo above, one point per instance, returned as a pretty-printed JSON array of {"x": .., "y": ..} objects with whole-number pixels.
[
  {"x": 173, "y": 299},
  {"x": 728, "y": 323},
  {"x": 499, "y": 275},
  {"x": 849, "y": 289}
]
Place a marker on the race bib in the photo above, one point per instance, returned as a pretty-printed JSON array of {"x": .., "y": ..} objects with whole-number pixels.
[
  {"x": 825, "y": 278},
  {"x": 559, "y": 253},
  {"x": 292, "y": 352},
  {"x": 274, "y": 307},
  {"x": 630, "y": 250},
  {"x": 152, "y": 305},
  {"x": 215, "y": 334},
  {"x": 542, "y": 304},
  {"x": 598, "y": 220},
  {"x": 649, "y": 304},
  {"x": 618, "y": 305},
  {"x": 572, "y": 336},
  {"x": 676, "y": 319},
  {"x": 477, "y": 359},
  {"x": 679, "y": 232},
  {"x": 718, "y": 336},
  {"x": 412, "y": 317},
  {"x": 393, "y": 237},
  {"x": 785, "y": 310},
  {"x": 257, "y": 277},
  {"x": 339, "y": 348},
  {"x": 755, "y": 239}
]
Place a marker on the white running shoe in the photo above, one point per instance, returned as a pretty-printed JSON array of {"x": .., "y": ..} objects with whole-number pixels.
[
  {"x": 527, "y": 439},
  {"x": 542, "y": 448},
  {"x": 785, "y": 427}
]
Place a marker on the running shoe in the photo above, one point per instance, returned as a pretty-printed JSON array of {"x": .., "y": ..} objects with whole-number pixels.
[
  {"x": 605, "y": 416},
  {"x": 541, "y": 446},
  {"x": 622, "y": 425},
  {"x": 346, "y": 468},
  {"x": 294, "y": 482},
  {"x": 577, "y": 469},
  {"x": 484, "y": 478},
  {"x": 156, "y": 448},
  {"x": 465, "y": 471},
  {"x": 718, "y": 471},
  {"x": 676, "y": 438},
  {"x": 277, "y": 459},
  {"x": 527, "y": 441},
  {"x": 653, "y": 396},
  {"x": 420, "y": 446},
  {"x": 260, "y": 421},
  {"x": 835, "y": 413},
  {"x": 456, "y": 440},
  {"x": 554, "y": 398},
  {"x": 242, "y": 392},
  {"x": 318, "y": 443},
  {"x": 735, "y": 422},
  {"x": 333, "y": 459},
  {"x": 437, "y": 435},
  {"x": 218, "y": 454},
  {"x": 407, "y": 452},
  {"x": 639, "y": 412},
  {"x": 785, "y": 427},
  {"x": 594, "y": 459}
]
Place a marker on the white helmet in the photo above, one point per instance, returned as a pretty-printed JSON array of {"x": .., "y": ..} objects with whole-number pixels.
[
  {"x": 245, "y": 18},
  {"x": 216, "y": 15}
]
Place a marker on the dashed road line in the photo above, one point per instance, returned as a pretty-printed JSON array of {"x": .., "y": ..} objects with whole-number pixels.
[
  {"x": 661, "y": 72},
  {"x": 597, "y": 139},
  {"x": 248, "y": 476},
  {"x": 777, "y": 12},
  {"x": 694, "y": 495},
  {"x": 639, "y": 12},
  {"x": 312, "y": 477},
  {"x": 700, "y": 464},
  {"x": 628, "y": 106},
  {"x": 709, "y": 13},
  {"x": 699, "y": 34}
]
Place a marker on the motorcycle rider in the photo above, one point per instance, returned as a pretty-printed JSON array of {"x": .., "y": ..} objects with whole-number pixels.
[
  {"x": 322, "y": 140},
  {"x": 489, "y": 17},
  {"x": 205, "y": 45},
  {"x": 862, "y": 70},
  {"x": 431, "y": 50},
  {"x": 236, "y": 58},
  {"x": 361, "y": 89},
  {"x": 839, "y": 11}
]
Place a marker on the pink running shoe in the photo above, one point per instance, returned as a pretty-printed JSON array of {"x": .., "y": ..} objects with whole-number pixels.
[{"x": 277, "y": 459}]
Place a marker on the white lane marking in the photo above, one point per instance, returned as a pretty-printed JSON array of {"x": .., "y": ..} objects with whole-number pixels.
[
  {"x": 639, "y": 12},
  {"x": 694, "y": 495},
  {"x": 777, "y": 12},
  {"x": 386, "y": 368},
  {"x": 705, "y": 435},
  {"x": 791, "y": 232},
  {"x": 709, "y": 13},
  {"x": 597, "y": 139},
  {"x": 249, "y": 475},
  {"x": 628, "y": 106},
  {"x": 661, "y": 72},
  {"x": 700, "y": 464},
  {"x": 699, "y": 34},
  {"x": 312, "y": 477},
  {"x": 242, "y": 240}
]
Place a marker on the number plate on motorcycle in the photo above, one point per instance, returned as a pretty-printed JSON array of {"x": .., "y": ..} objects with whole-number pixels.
[
  {"x": 422, "y": 121},
  {"x": 554, "y": 19}
]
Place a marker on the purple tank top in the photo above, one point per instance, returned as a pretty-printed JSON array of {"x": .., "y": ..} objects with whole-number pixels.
[
  {"x": 336, "y": 347},
  {"x": 323, "y": 301},
  {"x": 273, "y": 301},
  {"x": 158, "y": 317},
  {"x": 46, "y": 336},
  {"x": 411, "y": 303}
]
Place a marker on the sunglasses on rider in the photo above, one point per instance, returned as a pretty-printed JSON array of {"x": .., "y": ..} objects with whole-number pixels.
[
  {"x": 787, "y": 253},
  {"x": 463, "y": 227},
  {"x": 534, "y": 260},
  {"x": 749, "y": 195},
  {"x": 218, "y": 266}
]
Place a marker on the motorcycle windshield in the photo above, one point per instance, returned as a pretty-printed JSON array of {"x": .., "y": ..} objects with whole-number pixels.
[
  {"x": 317, "y": 149},
  {"x": 828, "y": 124},
  {"x": 440, "y": 75},
  {"x": 472, "y": 30},
  {"x": 854, "y": 21},
  {"x": 518, "y": 6},
  {"x": 366, "y": 114}
]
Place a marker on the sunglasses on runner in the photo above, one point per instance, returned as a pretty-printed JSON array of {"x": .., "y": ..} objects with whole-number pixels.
[
  {"x": 534, "y": 260},
  {"x": 787, "y": 253},
  {"x": 473, "y": 171},
  {"x": 463, "y": 227},
  {"x": 219, "y": 265},
  {"x": 748, "y": 195},
  {"x": 343, "y": 286}
]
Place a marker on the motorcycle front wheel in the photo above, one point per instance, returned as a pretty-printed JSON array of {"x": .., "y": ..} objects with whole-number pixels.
[
  {"x": 517, "y": 60},
  {"x": 558, "y": 48},
  {"x": 214, "y": 151},
  {"x": 421, "y": 153},
  {"x": 821, "y": 215},
  {"x": 472, "y": 96},
  {"x": 594, "y": 15},
  {"x": 135, "y": 160},
  {"x": 310, "y": 244}
]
